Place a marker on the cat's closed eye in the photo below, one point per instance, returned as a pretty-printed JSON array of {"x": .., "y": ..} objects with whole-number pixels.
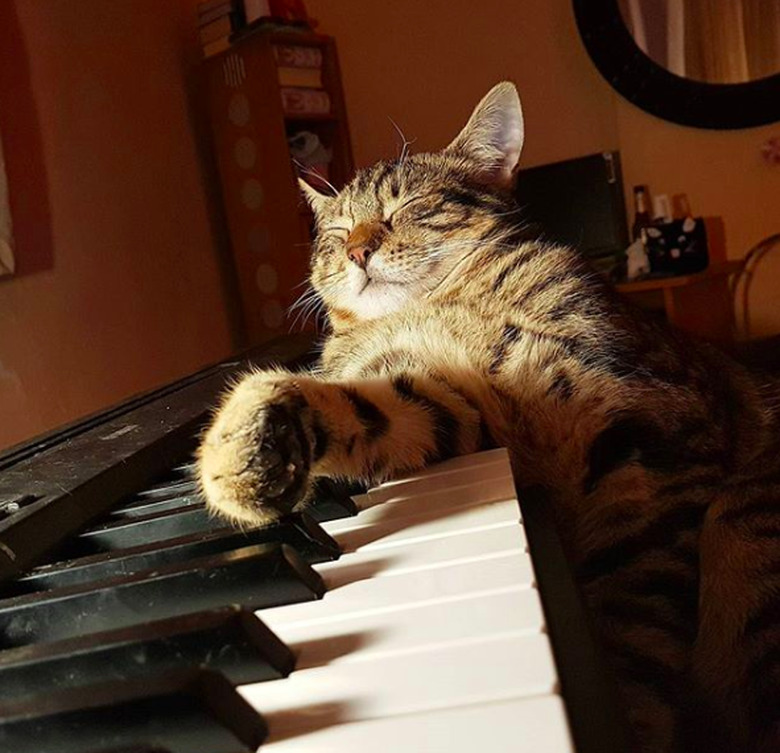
[
  {"x": 342, "y": 233},
  {"x": 412, "y": 210}
]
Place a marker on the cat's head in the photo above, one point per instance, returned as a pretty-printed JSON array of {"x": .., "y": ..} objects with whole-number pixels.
[{"x": 399, "y": 228}]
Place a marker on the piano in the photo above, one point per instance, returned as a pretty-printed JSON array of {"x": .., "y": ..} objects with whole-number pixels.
[{"x": 432, "y": 613}]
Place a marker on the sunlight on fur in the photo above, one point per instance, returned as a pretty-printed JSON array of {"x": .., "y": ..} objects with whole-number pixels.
[{"x": 453, "y": 329}]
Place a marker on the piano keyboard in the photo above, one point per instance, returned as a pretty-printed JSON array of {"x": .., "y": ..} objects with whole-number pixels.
[
  {"x": 422, "y": 615},
  {"x": 432, "y": 609}
]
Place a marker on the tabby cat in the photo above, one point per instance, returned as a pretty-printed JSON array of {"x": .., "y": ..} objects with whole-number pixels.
[{"x": 453, "y": 331}]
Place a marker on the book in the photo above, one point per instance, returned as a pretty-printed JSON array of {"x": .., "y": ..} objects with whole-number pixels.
[
  {"x": 205, "y": 6},
  {"x": 215, "y": 47},
  {"x": 303, "y": 77},
  {"x": 256, "y": 9},
  {"x": 298, "y": 56},
  {"x": 296, "y": 101},
  {"x": 212, "y": 15},
  {"x": 222, "y": 27}
]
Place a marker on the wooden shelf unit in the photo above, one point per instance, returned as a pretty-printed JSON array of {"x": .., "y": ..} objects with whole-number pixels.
[
  {"x": 269, "y": 226},
  {"x": 701, "y": 303}
]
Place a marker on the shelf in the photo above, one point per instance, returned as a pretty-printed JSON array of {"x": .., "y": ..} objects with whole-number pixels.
[
  {"x": 720, "y": 269},
  {"x": 279, "y": 35},
  {"x": 319, "y": 118},
  {"x": 701, "y": 304},
  {"x": 303, "y": 38},
  {"x": 275, "y": 230}
]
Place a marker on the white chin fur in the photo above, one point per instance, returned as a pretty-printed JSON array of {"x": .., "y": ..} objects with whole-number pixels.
[
  {"x": 380, "y": 297},
  {"x": 377, "y": 299}
]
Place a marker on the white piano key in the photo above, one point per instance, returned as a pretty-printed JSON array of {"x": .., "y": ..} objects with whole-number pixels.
[
  {"x": 445, "y": 512},
  {"x": 369, "y": 594},
  {"x": 532, "y": 725},
  {"x": 455, "y": 472},
  {"x": 426, "y": 527},
  {"x": 516, "y": 612},
  {"x": 437, "y": 478},
  {"x": 470, "y": 546},
  {"x": 422, "y": 529},
  {"x": 428, "y": 484},
  {"x": 474, "y": 491},
  {"x": 475, "y": 463},
  {"x": 477, "y": 672}
]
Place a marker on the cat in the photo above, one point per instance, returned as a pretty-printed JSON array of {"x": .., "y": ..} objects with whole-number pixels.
[{"x": 454, "y": 331}]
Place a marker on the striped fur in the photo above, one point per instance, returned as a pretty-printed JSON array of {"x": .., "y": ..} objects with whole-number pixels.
[{"x": 462, "y": 333}]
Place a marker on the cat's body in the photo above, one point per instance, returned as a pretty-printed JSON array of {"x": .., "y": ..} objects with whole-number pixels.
[{"x": 452, "y": 333}]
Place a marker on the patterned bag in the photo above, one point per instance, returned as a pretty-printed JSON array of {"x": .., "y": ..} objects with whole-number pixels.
[{"x": 677, "y": 248}]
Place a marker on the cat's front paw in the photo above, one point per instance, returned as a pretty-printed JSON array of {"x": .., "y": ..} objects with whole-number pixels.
[{"x": 254, "y": 460}]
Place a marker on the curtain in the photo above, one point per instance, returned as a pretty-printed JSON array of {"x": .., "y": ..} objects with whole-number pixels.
[
  {"x": 720, "y": 41},
  {"x": 6, "y": 242},
  {"x": 762, "y": 30},
  {"x": 732, "y": 41}
]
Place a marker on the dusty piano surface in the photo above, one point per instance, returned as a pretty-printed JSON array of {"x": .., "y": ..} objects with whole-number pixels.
[{"x": 434, "y": 613}]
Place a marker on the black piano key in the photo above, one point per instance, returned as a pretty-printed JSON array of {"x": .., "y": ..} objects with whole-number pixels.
[
  {"x": 297, "y": 530},
  {"x": 163, "y": 526},
  {"x": 173, "y": 524},
  {"x": 141, "y": 506},
  {"x": 331, "y": 501},
  {"x": 176, "y": 487},
  {"x": 169, "y": 524},
  {"x": 229, "y": 640},
  {"x": 254, "y": 577},
  {"x": 173, "y": 483},
  {"x": 181, "y": 712}
]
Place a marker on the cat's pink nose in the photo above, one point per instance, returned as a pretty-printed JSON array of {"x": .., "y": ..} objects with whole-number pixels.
[
  {"x": 359, "y": 255},
  {"x": 365, "y": 238}
]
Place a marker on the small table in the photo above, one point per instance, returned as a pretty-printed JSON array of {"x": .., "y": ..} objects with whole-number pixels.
[{"x": 700, "y": 303}]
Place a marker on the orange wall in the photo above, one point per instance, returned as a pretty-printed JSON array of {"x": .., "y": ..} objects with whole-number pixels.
[
  {"x": 119, "y": 288},
  {"x": 425, "y": 64}
]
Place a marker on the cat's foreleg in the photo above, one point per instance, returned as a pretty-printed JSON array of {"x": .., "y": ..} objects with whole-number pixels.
[{"x": 276, "y": 431}]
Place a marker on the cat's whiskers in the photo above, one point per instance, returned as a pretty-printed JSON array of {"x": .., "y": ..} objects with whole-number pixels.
[
  {"x": 313, "y": 308},
  {"x": 516, "y": 210},
  {"x": 496, "y": 242},
  {"x": 301, "y": 284},
  {"x": 302, "y": 298},
  {"x": 405, "y": 143},
  {"x": 437, "y": 250},
  {"x": 305, "y": 305},
  {"x": 313, "y": 173},
  {"x": 454, "y": 269}
]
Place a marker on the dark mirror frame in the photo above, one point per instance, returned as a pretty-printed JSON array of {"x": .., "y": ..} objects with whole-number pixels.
[{"x": 657, "y": 91}]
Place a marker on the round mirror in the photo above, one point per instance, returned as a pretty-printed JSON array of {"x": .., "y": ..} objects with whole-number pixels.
[
  {"x": 721, "y": 42},
  {"x": 708, "y": 63}
]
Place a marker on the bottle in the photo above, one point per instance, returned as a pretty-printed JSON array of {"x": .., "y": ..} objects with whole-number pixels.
[
  {"x": 681, "y": 206},
  {"x": 641, "y": 212},
  {"x": 662, "y": 210}
]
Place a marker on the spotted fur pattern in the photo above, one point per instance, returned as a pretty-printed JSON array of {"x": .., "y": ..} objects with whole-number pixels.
[{"x": 452, "y": 331}]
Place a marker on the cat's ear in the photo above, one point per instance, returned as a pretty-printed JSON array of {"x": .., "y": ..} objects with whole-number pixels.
[
  {"x": 493, "y": 137},
  {"x": 316, "y": 200}
]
